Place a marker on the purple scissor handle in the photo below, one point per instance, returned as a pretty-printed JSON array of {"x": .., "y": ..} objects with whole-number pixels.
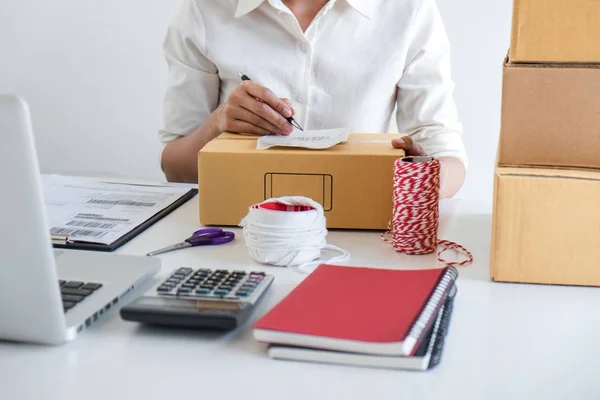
[
  {"x": 203, "y": 237},
  {"x": 210, "y": 236}
]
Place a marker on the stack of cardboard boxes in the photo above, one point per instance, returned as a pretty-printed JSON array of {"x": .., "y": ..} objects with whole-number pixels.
[{"x": 546, "y": 221}]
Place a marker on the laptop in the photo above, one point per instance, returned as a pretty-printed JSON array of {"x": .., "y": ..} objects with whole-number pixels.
[{"x": 49, "y": 296}]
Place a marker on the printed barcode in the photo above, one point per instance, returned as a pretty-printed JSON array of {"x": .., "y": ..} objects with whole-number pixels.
[
  {"x": 121, "y": 203},
  {"x": 76, "y": 232},
  {"x": 98, "y": 225},
  {"x": 99, "y": 217}
]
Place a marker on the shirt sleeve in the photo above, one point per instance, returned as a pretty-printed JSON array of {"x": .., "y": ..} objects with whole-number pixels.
[
  {"x": 192, "y": 91},
  {"x": 425, "y": 106}
]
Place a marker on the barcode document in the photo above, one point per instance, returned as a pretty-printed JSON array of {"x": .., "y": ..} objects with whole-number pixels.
[{"x": 101, "y": 212}]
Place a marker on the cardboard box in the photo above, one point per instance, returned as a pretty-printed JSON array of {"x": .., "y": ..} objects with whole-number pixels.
[
  {"x": 352, "y": 180},
  {"x": 550, "y": 116},
  {"x": 546, "y": 226},
  {"x": 555, "y": 31}
]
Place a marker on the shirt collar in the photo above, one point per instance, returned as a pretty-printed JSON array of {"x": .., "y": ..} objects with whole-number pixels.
[
  {"x": 245, "y": 6},
  {"x": 364, "y": 7}
]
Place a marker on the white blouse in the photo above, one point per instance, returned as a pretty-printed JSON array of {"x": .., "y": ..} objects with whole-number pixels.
[{"x": 359, "y": 64}]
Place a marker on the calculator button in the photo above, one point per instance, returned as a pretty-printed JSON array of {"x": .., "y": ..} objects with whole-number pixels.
[
  {"x": 164, "y": 288},
  {"x": 186, "y": 271},
  {"x": 221, "y": 292},
  {"x": 202, "y": 291},
  {"x": 184, "y": 290},
  {"x": 241, "y": 293}
]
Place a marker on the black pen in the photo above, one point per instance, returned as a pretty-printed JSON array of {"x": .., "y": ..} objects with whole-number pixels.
[{"x": 290, "y": 119}]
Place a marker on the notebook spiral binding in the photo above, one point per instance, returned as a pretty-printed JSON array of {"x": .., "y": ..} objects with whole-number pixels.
[
  {"x": 441, "y": 329},
  {"x": 430, "y": 310}
]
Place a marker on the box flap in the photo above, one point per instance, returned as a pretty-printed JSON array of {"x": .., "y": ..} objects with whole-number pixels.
[
  {"x": 358, "y": 143},
  {"x": 352, "y": 137},
  {"x": 559, "y": 173},
  {"x": 508, "y": 63},
  {"x": 237, "y": 136}
]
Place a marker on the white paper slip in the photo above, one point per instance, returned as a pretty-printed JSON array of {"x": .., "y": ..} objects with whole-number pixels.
[
  {"x": 99, "y": 212},
  {"x": 321, "y": 139}
]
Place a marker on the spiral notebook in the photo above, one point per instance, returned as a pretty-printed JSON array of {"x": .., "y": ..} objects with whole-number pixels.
[
  {"x": 359, "y": 310},
  {"x": 427, "y": 356}
]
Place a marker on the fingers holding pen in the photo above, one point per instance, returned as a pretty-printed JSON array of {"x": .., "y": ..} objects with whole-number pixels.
[
  {"x": 264, "y": 103},
  {"x": 252, "y": 108}
]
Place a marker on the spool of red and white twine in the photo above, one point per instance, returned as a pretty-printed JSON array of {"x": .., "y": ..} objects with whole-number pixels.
[{"x": 415, "y": 219}]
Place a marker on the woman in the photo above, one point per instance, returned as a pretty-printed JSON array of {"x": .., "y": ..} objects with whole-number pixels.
[{"x": 329, "y": 64}]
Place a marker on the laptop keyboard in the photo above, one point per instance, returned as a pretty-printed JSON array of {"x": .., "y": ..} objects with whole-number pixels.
[{"x": 74, "y": 292}]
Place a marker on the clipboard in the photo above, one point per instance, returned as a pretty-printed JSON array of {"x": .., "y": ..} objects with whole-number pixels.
[{"x": 63, "y": 241}]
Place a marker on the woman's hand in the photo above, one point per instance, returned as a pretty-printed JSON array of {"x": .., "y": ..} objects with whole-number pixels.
[
  {"x": 452, "y": 170},
  {"x": 409, "y": 146},
  {"x": 252, "y": 108}
]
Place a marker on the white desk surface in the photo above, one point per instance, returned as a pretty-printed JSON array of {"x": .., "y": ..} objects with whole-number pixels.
[{"x": 506, "y": 341}]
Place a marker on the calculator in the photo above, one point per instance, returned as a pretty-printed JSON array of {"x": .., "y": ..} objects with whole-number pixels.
[{"x": 200, "y": 298}]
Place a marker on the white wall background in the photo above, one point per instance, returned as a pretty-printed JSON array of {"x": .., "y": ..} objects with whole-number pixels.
[{"x": 94, "y": 75}]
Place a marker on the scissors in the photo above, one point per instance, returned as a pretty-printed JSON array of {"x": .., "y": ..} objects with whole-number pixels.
[{"x": 203, "y": 237}]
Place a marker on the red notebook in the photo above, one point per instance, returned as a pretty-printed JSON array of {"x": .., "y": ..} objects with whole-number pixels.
[{"x": 359, "y": 310}]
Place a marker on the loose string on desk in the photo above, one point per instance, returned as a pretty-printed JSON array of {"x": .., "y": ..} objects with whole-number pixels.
[
  {"x": 289, "y": 232},
  {"x": 415, "y": 218}
]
